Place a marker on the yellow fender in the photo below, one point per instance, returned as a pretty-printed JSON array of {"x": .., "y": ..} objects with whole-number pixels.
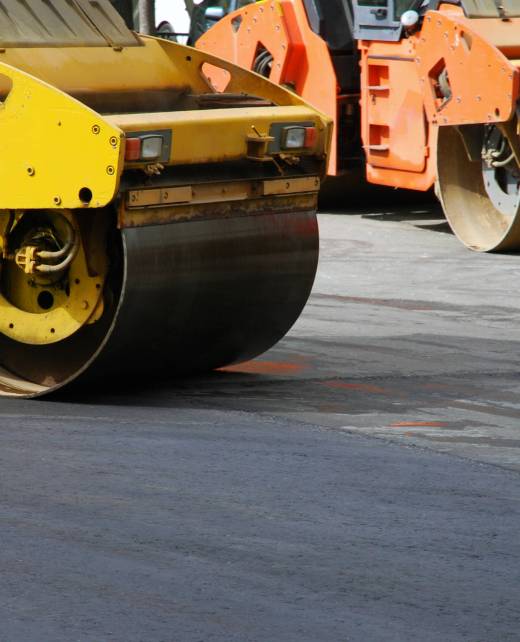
[{"x": 56, "y": 152}]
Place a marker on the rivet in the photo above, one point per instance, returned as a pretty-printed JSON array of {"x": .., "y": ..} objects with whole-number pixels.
[
  {"x": 31, "y": 171},
  {"x": 96, "y": 129},
  {"x": 113, "y": 141},
  {"x": 110, "y": 170},
  {"x": 57, "y": 200}
]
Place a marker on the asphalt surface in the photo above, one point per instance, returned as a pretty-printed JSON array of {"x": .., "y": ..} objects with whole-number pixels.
[{"x": 358, "y": 482}]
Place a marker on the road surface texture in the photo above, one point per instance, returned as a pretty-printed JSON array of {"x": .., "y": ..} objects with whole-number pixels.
[{"x": 361, "y": 481}]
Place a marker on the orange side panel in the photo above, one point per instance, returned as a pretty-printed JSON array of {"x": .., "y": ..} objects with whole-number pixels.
[
  {"x": 502, "y": 34},
  {"x": 463, "y": 55},
  {"x": 399, "y": 144},
  {"x": 301, "y": 59}
]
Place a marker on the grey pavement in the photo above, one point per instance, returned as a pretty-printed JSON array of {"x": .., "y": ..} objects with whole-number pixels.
[{"x": 358, "y": 482}]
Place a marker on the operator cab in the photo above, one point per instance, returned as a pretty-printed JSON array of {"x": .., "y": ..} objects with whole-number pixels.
[{"x": 382, "y": 19}]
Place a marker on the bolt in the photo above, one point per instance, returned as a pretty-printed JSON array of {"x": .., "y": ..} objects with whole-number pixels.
[
  {"x": 96, "y": 129},
  {"x": 84, "y": 305},
  {"x": 113, "y": 141},
  {"x": 57, "y": 200},
  {"x": 31, "y": 171},
  {"x": 110, "y": 170}
]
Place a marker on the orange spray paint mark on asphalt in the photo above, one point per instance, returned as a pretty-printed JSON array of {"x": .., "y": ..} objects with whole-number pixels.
[
  {"x": 361, "y": 387},
  {"x": 266, "y": 367},
  {"x": 419, "y": 424}
]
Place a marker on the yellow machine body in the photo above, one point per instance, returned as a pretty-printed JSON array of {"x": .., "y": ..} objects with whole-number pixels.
[
  {"x": 54, "y": 142},
  {"x": 82, "y": 99}
]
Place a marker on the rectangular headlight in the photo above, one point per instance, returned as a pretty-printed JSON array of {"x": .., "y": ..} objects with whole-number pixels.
[
  {"x": 293, "y": 137},
  {"x": 151, "y": 147}
]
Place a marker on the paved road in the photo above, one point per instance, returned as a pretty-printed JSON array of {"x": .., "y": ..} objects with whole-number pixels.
[
  {"x": 359, "y": 482},
  {"x": 408, "y": 336}
]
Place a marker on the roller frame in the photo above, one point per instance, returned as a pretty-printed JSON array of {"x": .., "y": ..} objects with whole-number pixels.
[{"x": 208, "y": 251}]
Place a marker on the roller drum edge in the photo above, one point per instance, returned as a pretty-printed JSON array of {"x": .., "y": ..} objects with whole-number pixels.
[
  {"x": 469, "y": 211},
  {"x": 194, "y": 296}
]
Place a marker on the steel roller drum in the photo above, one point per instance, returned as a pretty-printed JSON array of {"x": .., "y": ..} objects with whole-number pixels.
[
  {"x": 470, "y": 211},
  {"x": 189, "y": 297}
]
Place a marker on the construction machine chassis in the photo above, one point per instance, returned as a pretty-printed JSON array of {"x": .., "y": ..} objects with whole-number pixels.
[
  {"x": 421, "y": 95},
  {"x": 149, "y": 225}
]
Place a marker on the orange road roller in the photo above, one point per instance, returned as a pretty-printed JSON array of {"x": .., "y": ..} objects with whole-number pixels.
[
  {"x": 422, "y": 93},
  {"x": 149, "y": 225}
]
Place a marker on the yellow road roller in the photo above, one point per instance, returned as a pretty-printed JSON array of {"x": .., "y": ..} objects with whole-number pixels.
[{"x": 150, "y": 225}]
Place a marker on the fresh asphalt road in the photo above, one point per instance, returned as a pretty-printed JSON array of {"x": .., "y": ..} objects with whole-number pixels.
[{"x": 361, "y": 481}]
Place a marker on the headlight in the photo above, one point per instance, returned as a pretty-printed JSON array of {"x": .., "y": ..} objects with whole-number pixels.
[
  {"x": 293, "y": 137},
  {"x": 151, "y": 147},
  {"x": 148, "y": 147}
]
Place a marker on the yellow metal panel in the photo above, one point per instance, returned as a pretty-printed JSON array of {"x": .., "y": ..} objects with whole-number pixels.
[
  {"x": 292, "y": 185},
  {"x": 132, "y": 68},
  {"x": 216, "y": 134},
  {"x": 211, "y": 193},
  {"x": 53, "y": 147},
  {"x": 166, "y": 214},
  {"x": 166, "y": 196},
  {"x": 158, "y": 64}
]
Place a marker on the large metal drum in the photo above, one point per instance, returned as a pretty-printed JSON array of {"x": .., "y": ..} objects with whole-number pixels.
[{"x": 181, "y": 298}]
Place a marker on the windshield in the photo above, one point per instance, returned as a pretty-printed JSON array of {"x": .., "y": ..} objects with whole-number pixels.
[{"x": 400, "y": 6}]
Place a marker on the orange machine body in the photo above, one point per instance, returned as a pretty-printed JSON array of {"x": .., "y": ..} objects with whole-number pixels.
[
  {"x": 301, "y": 59},
  {"x": 451, "y": 71}
]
